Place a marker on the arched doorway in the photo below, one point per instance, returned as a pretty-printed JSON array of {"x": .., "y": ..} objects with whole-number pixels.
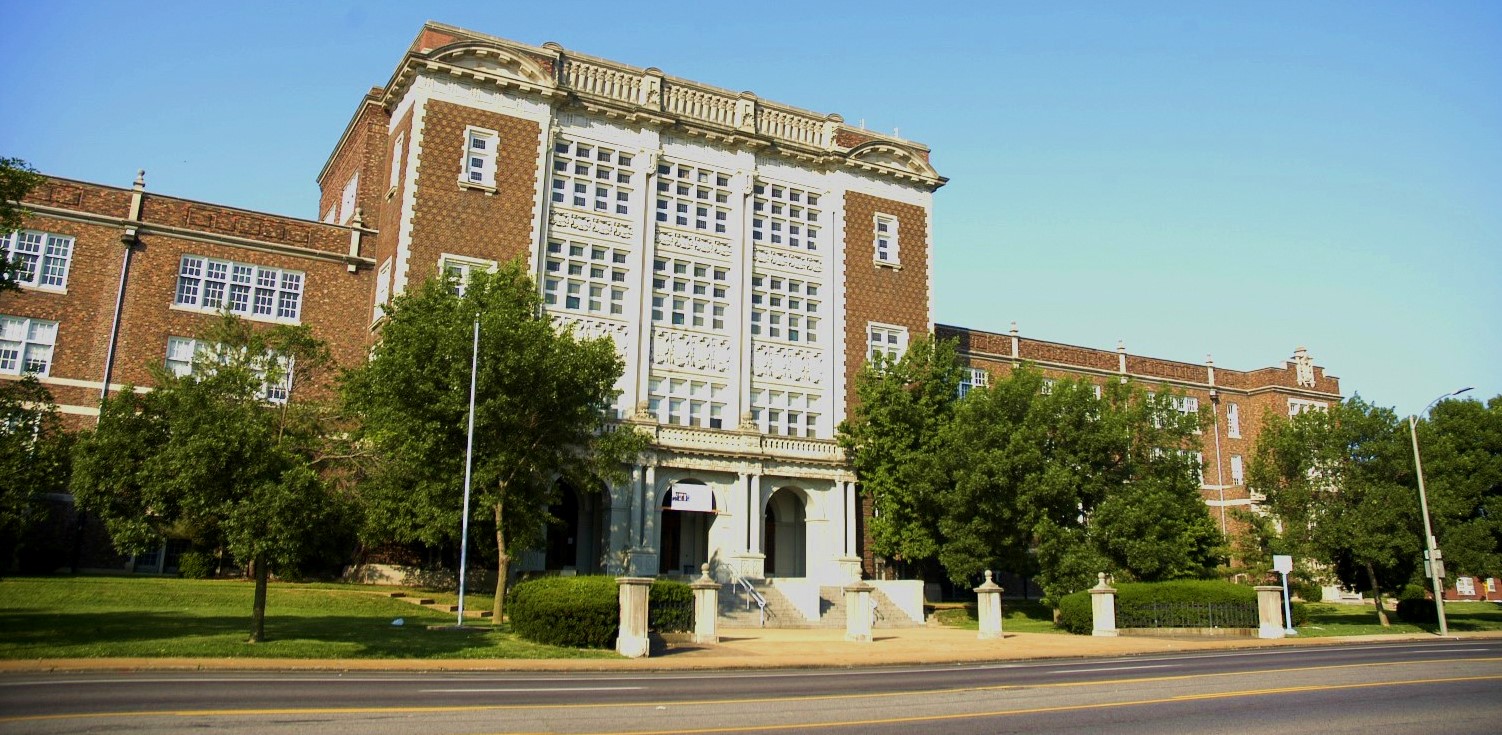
[
  {"x": 576, "y": 541},
  {"x": 683, "y": 543},
  {"x": 786, "y": 534}
]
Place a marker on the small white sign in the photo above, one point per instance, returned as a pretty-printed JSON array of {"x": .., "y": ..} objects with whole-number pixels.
[
  {"x": 695, "y": 498},
  {"x": 1282, "y": 563}
]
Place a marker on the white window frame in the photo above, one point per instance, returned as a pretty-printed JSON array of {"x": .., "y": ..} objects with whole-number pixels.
[
  {"x": 1233, "y": 421},
  {"x": 383, "y": 291},
  {"x": 586, "y": 277},
  {"x": 1238, "y": 470},
  {"x": 784, "y": 309},
  {"x": 690, "y": 294},
  {"x": 183, "y": 351},
  {"x": 785, "y": 216},
  {"x": 460, "y": 267},
  {"x": 785, "y": 412},
  {"x": 885, "y": 339},
  {"x": 39, "y": 260},
  {"x": 27, "y": 345},
  {"x": 692, "y": 402},
  {"x": 885, "y": 244},
  {"x": 592, "y": 177},
  {"x": 396, "y": 161},
  {"x": 972, "y": 378},
  {"x": 693, "y": 198},
  {"x": 1297, "y": 406},
  {"x": 349, "y": 198},
  {"x": 477, "y": 166},
  {"x": 257, "y": 292}
]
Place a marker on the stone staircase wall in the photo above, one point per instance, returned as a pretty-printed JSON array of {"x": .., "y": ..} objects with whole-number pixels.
[{"x": 736, "y": 613}]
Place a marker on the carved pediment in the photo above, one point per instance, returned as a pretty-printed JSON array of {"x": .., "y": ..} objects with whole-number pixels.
[
  {"x": 886, "y": 155},
  {"x": 494, "y": 60}
]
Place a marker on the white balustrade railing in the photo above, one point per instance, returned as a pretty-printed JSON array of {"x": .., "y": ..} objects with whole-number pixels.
[{"x": 604, "y": 81}]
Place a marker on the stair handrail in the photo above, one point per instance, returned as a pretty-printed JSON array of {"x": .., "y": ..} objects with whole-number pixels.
[{"x": 761, "y": 602}]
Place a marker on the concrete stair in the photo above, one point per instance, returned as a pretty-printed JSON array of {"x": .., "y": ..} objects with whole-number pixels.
[{"x": 738, "y": 610}]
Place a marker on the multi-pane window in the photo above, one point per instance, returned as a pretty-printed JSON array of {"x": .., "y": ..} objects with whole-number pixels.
[
  {"x": 1297, "y": 406},
  {"x": 26, "y": 345},
  {"x": 972, "y": 378},
  {"x": 249, "y": 290},
  {"x": 383, "y": 290},
  {"x": 1233, "y": 421},
  {"x": 885, "y": 340},
  {"x": 396, "y": 158},
  {"x": 785, "y": 413},
  {"x": 786, "y": 216},
  {"x": 457, "y": 270},
  {"x": 886, "y": 239},
  {"x": 692, "y": 197},
  {"x": 784, "y": 308},
  {"x": 591, "y": 176},
  {"x": 40, "y": 259},
  {"x": 479, "y": 156},
  {"x": 1047, "y": 387},
  {"x": 348, "y": 197},
  {"x": 687, "y": 402},
  {"x": 585, "y": 277},
  {"x": 182, "y": 351},
  {"x": 689, "y": 294},
  {"x": 1238, "y": 473},
  {"x": 1189, "y": 406}
]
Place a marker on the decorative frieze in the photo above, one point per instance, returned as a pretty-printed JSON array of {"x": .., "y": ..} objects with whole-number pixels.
[
  {"x": 693, "y": 242},
  {"x": 591, "y": 224},
  {"x": 591, "y": 328},
  {"x": 786, "y": 260},
  {"x": 790, "y": 364},
  {"x": 702, "y": 352}
]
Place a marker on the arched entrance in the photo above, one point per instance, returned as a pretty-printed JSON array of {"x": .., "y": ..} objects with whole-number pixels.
[
  {"x": 683, "y": 543},
  {"x": 576, "y": 542},
  {"x": 786, "y": 534}
]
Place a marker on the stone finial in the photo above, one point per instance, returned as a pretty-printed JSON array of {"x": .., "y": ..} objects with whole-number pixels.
[
  {"x": 704, "y": 572},
  {"x": 140, "y": 179},
  {"x": 1102, "y": 584},
  {"x": 1209, "y": 359},
  {"x": 1014, "y": 328},
  {"x": 989, "y": 584},
  {"x": 1121, "y": 346}
]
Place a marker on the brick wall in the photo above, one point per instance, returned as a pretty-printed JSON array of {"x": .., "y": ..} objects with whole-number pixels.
[
  {"x": 363, "y": 150},
  {"x": 880, "y": 293}
]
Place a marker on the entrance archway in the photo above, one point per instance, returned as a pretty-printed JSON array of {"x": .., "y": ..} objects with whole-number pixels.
[
  {"x": 786, "y": 534},
  {"x": 576, "y": 542},
  {"x": 683, "y": 542}
]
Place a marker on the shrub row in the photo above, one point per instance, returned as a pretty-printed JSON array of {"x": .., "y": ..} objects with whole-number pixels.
[
  {"x": 584, "y": 612},
  {"x": 1075, "y": 613}
]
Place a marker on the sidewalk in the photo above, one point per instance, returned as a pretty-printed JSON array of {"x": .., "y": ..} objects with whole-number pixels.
[{"x": 753, "y": 648}]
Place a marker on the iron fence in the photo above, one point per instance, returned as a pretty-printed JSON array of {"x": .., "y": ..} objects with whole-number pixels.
[{"x": 1188, "y": 615}]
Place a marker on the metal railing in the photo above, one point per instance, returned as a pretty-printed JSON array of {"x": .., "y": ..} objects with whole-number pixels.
[
  {"x": 754, "y": 596},
  {"x": 1188, "y": 615}
]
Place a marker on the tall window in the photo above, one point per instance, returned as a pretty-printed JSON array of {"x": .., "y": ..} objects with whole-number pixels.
[
  {"x": 383, "y": 290},
  {"x": 786, "y": 216},
  {"x": 396, "y": 158},
  {"x": 585, "y": 277},
  {"x": 254, "y": 291},
  {"x": 26, "y": 345},
  {"x": 590, "y": 176},
  {"x": 785, "y": 413},
  {"x": 181, "y": 352},
  {"x": 1233, "y": 421},
  {"x": 41, "y": 259},
  {"x": 1238, "y": 473},
  {"x": 479, "y": 156},
  {"x": 687, "y": 402},
  {"x": 972, "y": 378},
  {"x": 689, "y": 294},
  {"x": 348, "y": 198},
  {"x": 784, "y": 308},
  {"x": 692, "y": 197},
  {"x": 885, "y": 339},
  {"x": 886, "y": 239}
]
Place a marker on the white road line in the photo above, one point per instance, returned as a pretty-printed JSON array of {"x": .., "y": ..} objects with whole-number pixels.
[
  {"x": 528, "y": 689},
  {"x": 1110, "y": 668}
]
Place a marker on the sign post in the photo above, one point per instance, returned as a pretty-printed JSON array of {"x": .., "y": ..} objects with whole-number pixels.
[{"x": 1283, "y": 564}]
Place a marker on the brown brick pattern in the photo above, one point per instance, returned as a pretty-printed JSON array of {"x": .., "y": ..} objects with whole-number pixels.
[{"x": 880, "y": 293}]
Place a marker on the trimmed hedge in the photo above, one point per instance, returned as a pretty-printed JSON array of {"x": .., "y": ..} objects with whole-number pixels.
[
  {"x": 196, "y": 565},
  {"x": 584, "y": 612},
  {"x": 1075, "y": 614},
  {"x": 1418, "y": 611}
]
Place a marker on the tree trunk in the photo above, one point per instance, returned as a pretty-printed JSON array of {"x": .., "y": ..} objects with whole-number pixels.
[
  {"x": 258, "y": 608},
  {"x": 503, "y": 568},
  {"x": 1371, "y": 575}
]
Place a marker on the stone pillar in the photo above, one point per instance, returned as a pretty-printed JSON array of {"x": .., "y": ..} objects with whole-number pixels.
[
  {"x": 1269, "y": 611},
  {"x": 631, "y": 641},
  {"x": 858, "y": 611},
  {"x": 706, "y": 607},
  {"x": 1103, "y": 608},
  {"x": 988, "y": 608}
]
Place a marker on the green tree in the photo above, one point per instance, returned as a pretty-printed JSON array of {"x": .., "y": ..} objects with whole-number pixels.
[
  {"x": 17, "y": 178},
  {"x": 892, "y": 439},
  {"x": 1461, "y": 445},
  {"x": 207, "y": 450},
  {"x": 541, "y": 395},
  {"x": 33, "y": 460},
  {"x": 1340, "y": 485}
]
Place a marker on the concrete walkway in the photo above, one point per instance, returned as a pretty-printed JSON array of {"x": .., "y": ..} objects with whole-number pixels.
[{"x": 752, "y": 648}]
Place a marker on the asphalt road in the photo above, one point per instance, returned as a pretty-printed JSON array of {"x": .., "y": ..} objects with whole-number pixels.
[{"x": 1441, "y": 686}]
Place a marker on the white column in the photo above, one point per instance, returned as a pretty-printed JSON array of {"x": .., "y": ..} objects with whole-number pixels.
[
  {"x": 754, "y": 514},
  {"x": 852, "y": 514}
]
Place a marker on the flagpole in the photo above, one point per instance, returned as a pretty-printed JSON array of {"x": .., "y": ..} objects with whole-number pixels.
[{"x": 469, "y": 461}]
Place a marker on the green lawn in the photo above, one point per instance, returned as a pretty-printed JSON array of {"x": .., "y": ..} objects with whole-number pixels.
[
  {"x": 1331, "y": 620},
  {"x": 89, "y": 617},
  {"x": 1017, "y": 616}
]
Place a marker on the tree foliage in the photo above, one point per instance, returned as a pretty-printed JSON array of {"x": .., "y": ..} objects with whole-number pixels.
[
  {"x": 541, "y": 395},
  {"x": 34, "y": 460},
  {"x": 1461, "y": 446},
  {"x": 17, "y": 178},
  {"x": 205, "y": 451}
]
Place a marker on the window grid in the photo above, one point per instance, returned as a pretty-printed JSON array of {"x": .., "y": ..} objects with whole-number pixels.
[
  {"x": 689, "y": 294},
  {"x": 257, "y": 292},
  {"x": 479, "y": 156},
  {"x": 785, "y": 413},
  {"x": 886, "y": 341},
  {"x": 785, "y": 215},
  {"x": 692, "y": 197},
  {"x": 26, "y": 345},
  {"x": 1238, "y": 474},
  {"x": 458, "y": 270},
  {"x": 687, "y": 402},
  {"x": 348, "y": 198},
  {"x": 1297, "y": 406},
  {"x": 590, "y": 176},
  {"x": 1233, "y": 421},
  {"x": 396, "y": 158},
  {"x": 973, "y": 378},
  {"x": 182, "y": 351},
  {"x": 41, "y": 259},
  {"x": 886, "y": 239},
  {"x": 586, "y": 277},
  {"x": 784, "y": 308}
]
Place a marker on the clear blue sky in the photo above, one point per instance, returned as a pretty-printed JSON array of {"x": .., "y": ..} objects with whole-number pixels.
[{"x": 1192, "y": 178}]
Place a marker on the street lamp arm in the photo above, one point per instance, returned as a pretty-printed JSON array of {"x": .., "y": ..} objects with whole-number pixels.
[{"x": 1436, "y": 562}]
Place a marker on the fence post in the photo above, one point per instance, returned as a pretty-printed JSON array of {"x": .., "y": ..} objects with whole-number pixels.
[
  {"x": 1269, "y": 611},
  {"x": 631, "y": 641},
  {"x": 858, "y": 611},
  {"x": 988, "y": 608},
  {"x": 1103, "y": 608},
  {"x": 706, "y": 607}
]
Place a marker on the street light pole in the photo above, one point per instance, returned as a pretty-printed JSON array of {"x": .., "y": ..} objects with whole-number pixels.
[{"x": 1436, "y": 562}]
